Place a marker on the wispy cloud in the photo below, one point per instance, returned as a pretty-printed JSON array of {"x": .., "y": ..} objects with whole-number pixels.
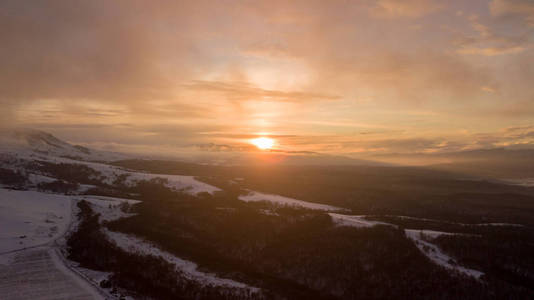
[
  {"x": 247, "y": 91},
  {"x": 489, "y": 43},
  {"x": 513, "y": 9}
]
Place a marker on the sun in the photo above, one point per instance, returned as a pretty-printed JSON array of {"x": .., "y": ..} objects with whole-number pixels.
[{"x": 263, "y": 143}]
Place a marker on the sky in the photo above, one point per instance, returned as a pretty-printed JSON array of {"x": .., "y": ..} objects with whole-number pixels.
[{"x": 357, "y": 78}]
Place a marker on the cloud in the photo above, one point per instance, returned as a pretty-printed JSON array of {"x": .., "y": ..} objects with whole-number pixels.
[
  {"x": 166, "y": 72},
  {"x": 490, "y": 43},
  {"x": 245, "y": 91},
  {"x": 489, "y": 89},
  {"x": 406, "y": 78},
  {"x": 518, "y": 128},
  {"x": 72, "y": 50},
  {"x": 212, "y": 147},
  {"x": 405, "y": 8},
  {"x": 491, "y": 51},
  {"x": 513, "y": 8}
]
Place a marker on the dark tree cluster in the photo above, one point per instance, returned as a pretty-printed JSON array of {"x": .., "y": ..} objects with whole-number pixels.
[
  {"x": 12, "y": 178},
  {"x": 68, "y": 172},
  {"x": 59, "y": 186}
]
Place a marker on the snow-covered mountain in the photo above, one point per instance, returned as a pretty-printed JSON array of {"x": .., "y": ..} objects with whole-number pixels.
[{"x": 36, "y": 143}]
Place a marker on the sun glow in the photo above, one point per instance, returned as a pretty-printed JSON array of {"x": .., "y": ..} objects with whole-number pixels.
[{"x": 263, "y": 143}]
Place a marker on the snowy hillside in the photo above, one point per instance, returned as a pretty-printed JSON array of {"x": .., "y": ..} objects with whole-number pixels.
[{"x": 43, "y": 161}]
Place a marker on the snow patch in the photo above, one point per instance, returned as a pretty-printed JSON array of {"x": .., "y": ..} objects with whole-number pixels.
[
  {"x": 285, "y": 201},
  {"x": 109, "y": 207},
  {"x": 354, "y": 221},
  {"x": 175, "y": 182},
  {"x": 35, "y": 179},
  {"x": 527, "y": 182}
]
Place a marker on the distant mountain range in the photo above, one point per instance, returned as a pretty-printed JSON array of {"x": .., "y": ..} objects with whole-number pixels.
[{"x": 36, "y": 142}]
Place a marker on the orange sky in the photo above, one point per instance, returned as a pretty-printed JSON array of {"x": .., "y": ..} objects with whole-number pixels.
[{"x": 345, "y": 77}]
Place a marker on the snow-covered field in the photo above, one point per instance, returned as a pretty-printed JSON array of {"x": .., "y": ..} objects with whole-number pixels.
[
  {"x": 285, "y": 201},
  {"x": 434, "y": 253},
  {"x": 30, "y": 218}
]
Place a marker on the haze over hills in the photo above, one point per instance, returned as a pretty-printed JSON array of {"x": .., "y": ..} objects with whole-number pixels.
[
  {"x": 499, "y": 163},
  {"x": 492, "y": 163},
  {"x": 40, "y": 142}
]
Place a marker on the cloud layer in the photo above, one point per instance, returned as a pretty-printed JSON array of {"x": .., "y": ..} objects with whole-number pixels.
[{"x": 422, "y": 75}]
